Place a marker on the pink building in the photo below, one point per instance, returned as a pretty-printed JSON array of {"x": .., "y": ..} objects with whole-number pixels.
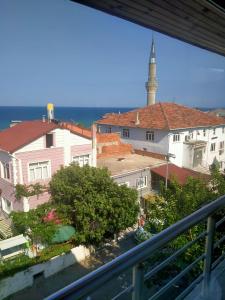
[{"x": 33, "y": 151}]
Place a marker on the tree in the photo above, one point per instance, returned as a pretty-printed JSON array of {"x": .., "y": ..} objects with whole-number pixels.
[
  {"x": 178, "y": 201},
  {"x": 98, "y": 206}
]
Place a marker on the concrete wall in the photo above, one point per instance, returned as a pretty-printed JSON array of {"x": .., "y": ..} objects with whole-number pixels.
[
  {"x": 163, "y": 143},
  {"x": 138, "y": 138},
  {"x": 131, "y": 179},
  {"x": 24, "y": 279}
]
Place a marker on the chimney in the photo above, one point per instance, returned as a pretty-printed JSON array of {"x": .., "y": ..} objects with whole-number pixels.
[
  {"x": 50, "y": 109},
  {"x": 43, "y": 118},
  {"x": 137, "y": 119},
  {"x": 94, "y": 142}
]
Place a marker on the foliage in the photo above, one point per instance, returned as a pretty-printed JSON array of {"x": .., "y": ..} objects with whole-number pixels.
[
  {"x": 32, "y": 223},
  {"x": 22, "y": 262},
  {"x": 178, "y": 201},
  {"x": 22, "y": 190},
  {"x": 98, "y": 206}
]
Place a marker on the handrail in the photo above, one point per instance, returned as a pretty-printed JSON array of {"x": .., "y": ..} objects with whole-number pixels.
[{"x": 136, "y": 255}]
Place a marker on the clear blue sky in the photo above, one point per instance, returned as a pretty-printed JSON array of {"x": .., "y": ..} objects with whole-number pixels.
[{"x": 76, "y": 56}]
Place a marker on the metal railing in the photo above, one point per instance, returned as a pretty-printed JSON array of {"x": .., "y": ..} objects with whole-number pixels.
[{"x": 134, "y": 258}]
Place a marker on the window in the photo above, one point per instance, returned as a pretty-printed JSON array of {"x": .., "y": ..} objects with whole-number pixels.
[
  {"x": 39, "y": 170},
  {"x": 221, "y": 149},
  {"x": 150, "y": 135},
  {"x": 49, "y": 140},
  {"x": 126, "y": 133},
  {"x": 213, "y": 147},
  {"x": 187, "y": 138},
  {"x": 221, "y": 164},
  {"x": 204, "y": 132},
  {"x": 127, "y": 183},
  {"x": 6, "y": 172},
  {"x": 176, "y": 137},
  {"x": 6, "y": 205},
  {"x": 108, "y": 129},
  {"x": 82, "y": 160},
  {"x": 141, "y": 182},
  {"x": 214, "y": 130}
]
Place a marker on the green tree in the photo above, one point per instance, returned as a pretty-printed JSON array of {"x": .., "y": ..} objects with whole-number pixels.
[{"x": 98, "y": 206}]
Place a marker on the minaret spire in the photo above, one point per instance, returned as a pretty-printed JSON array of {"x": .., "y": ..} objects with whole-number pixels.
[{"x": 151, "y": 84}]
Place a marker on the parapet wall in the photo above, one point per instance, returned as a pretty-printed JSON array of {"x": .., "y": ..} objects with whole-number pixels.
[{"x": 24, "y": 279}]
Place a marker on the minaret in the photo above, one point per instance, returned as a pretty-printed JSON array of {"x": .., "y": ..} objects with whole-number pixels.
[{"x": 151, "y": 84}]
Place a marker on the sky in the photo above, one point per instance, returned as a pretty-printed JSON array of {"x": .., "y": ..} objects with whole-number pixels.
[{"x": 72, "y": 55}]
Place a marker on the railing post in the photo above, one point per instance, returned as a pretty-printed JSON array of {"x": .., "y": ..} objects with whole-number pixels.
[
  {"x": 138, "y": 282},
  {"x": 211, "y": 225}
]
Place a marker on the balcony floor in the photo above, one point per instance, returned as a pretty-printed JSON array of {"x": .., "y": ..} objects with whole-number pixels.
[{"x": 217, "y": 287}]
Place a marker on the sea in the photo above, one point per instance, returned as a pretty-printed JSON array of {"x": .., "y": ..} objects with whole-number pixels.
[{"x": 83, "y": 115}]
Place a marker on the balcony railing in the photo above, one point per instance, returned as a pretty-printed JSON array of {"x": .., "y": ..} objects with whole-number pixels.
[{"x": 134, "y": 258}]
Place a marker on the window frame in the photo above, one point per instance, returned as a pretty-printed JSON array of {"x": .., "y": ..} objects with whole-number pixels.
[
  {"x": 176, "y": 137},
  {"x": 144, "y": 181},
  {"x": 150, "y": 135},
  {"x": 6, "y": 171},
  {"x": 212, "y": 148},
  {"x": 127, "y": 131},
  {"x": 39, "y": 162},
  {"x": 204, "y": 132},
  {"x": 79, "y": 158},
  {"x": 109, "y": 129},
  {"x": 48, "y": 134},
  {"x": 3, "y": 204}
]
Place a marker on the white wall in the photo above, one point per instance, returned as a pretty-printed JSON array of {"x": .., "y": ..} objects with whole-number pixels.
[
  {"x": 138, "y": 138},
  {"x": 21, "y": 280},
  {"x": 164, "y": 143}
]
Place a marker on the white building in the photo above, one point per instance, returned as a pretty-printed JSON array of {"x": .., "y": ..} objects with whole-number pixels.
[{"x": 195, "y": 138}]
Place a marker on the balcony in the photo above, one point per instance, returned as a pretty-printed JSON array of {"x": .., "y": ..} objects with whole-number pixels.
[{"x": 132, "y": 264}]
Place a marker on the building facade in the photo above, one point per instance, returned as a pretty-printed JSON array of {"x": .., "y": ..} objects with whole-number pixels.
[
  {"x": 32, "y": 152},
  {"x": 190, "y": 137}
]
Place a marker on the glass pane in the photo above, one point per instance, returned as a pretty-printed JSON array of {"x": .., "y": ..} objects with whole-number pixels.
[
  {"x": 38, "y": 173},
  {"x": 45, "y": 172},
  {"x": 32, "y": 176}
]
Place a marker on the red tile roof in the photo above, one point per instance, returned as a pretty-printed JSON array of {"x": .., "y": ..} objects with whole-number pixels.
[
  {"x": 180, "y": 174},
  {"x": 85, "y": 132},
  {"x": 14, "y": 138},
  {"x": 166, "y": 116}
]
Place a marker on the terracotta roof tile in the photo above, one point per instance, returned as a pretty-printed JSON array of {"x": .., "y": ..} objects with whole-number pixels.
[
  {"x": 85, "y": 132},
  {"x": 166, "y": 116},
  {"x": 180, "y": 174},
  {"x": 14, "y": 138}
]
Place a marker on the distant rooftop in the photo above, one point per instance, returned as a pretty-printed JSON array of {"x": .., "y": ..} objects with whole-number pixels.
[
  {"x": 164, "y": 116},
  {"x": 21, "y": 134},
  {"x": 180, "y": 174},
  {"x": 128, "y": 163}
]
